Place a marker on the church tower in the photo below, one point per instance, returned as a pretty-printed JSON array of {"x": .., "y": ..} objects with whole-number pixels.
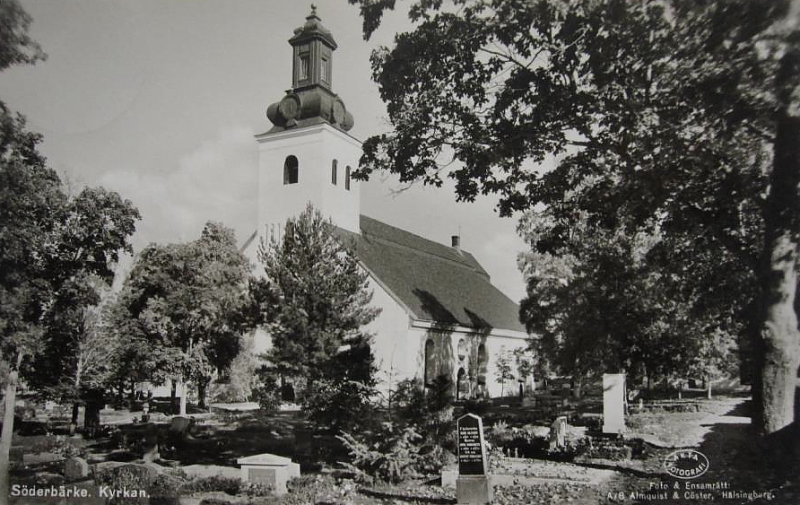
[{"x": 307, "y": 155}]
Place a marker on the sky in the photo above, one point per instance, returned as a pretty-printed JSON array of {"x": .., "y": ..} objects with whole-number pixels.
[{"x": 159, "y": 100}]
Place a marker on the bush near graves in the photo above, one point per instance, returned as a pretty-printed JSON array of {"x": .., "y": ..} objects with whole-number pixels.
[
  {"x": 267, "y": 392},
  {"x": 417, "y": 438},
  {"x": 60, "y": 445},
  {"x": 340, "y": 405},
  {"x": 392, "y": 456},
  {"x": 430, "y": 412},
  {"x": 229, "y": 485}
]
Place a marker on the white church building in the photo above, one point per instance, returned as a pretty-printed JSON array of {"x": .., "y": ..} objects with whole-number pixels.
[{"x": 440, "y": 312}]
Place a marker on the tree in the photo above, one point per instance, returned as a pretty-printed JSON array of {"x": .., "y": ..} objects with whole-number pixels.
[
  {"x": 75, "y": 360},
  {"x": 603, "y": 303},
  {"x": 35, "y": 215},
  {"x": 181, "y": 310},
  {"x": 676, "y": 116},
  {"x": 313, "y": 299},
  {"x": 504, "y": 370},
  {"x": 72, "y": 363}
]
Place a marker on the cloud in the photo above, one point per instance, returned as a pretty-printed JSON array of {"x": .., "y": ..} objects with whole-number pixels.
[{"x": 216, "y": 181}]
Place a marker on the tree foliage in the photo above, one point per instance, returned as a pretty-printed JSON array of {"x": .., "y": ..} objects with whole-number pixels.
[
  {"x": 181, "y": 308},
  {"x": 16, "y": 46},
  {"x": 313, "y": 299},
  {"x": 676, "y": 117},
  {"x": 603, "y": 304}
]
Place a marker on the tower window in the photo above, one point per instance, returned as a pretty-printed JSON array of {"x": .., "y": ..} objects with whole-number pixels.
[
  {"x": 324, "y": 70},
  {"x": 290, "y": 170},
  {"x": 334, "y": 168},
  {"x": 347, "y": 178},
  {"x": 302, "y": 73}
]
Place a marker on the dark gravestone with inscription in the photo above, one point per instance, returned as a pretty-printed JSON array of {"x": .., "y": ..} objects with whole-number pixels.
[
  {"x": 473, "y": 485},
  {"x": 471, "y": 451}
]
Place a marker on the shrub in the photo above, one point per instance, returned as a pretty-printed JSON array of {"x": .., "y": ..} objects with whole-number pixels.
[
  {"x": 393, "y": 457},
  {"x": 241, "y": 376},
  {"x": 477, "y": 406},
  {"x": 267, "y": 393},
  {"x": 59, "y": 445},
  {"x": 431, "y": 412},
  {"x": 165, "y": 490},
  {"x": 433, "y": 459},
  {"x": 339, "y": 405},
  {"x": 129, "y": 477},
  {"x": 226, "y": 485}
]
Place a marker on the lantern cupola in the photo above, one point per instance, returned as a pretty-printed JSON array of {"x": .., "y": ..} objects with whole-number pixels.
[{"x": 311, "y": 99}]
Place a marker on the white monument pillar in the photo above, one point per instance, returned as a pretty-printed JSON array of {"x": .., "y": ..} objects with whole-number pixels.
[{"x": 614, "y": 403}]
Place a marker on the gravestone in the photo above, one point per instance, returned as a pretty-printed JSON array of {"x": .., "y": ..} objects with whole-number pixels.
[
  {"x": 614, "y": 403},
  {"x": 558, "y": 433},
  {"x": 76, "y": 469},
  {"x": 473, "y": 485},
  {"x": 178, "y": 430},
  {"x": 270, "y": 470}
]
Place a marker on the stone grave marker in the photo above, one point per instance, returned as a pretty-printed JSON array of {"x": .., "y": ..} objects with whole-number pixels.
[
  {"x": 558, "y": 433},
  {"x": 614, "y": 403},
  {"x": 76, "y": 469},
  {"x": 178, "y": 430},
  {"x": 473, "y": 485},
  {"x": 269, "y": 469}
]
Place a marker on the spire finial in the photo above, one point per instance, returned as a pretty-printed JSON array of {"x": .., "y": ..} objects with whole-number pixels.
[{"x": 313, "y": 11}]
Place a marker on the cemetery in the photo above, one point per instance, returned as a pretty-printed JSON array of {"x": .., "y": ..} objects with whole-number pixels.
[
  {"x": 509, "y": 450},
  {"x": 632, "y": 337}
]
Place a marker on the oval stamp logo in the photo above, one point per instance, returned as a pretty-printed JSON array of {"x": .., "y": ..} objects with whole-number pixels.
[{"x": 686, "y": 464}]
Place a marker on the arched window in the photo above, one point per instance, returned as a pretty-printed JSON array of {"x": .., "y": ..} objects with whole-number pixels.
[
  {"x": 334, "y": 168},
  {"x": 483, "y": 362},
  {"x": 430, "y": 362},
  {"x": 347, "y": 178},
  {"x": 290, "y": 169}
]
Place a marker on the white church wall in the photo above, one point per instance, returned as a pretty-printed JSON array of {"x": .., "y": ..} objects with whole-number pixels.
[{"x": 397, "y": 356}]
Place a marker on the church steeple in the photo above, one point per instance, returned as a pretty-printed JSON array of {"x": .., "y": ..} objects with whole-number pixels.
[{"x": 311, "y": 99}]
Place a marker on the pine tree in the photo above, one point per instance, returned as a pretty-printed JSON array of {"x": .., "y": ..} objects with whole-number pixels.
[{"x": 314, "y": 301}]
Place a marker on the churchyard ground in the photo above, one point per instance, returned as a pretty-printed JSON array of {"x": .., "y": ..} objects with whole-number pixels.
[{"x": 525, "y": 468}]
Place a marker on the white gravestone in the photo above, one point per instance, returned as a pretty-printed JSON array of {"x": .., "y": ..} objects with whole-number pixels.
[
  {"x": 269, "y": 469},
  {"x": 614, "y": 403}
]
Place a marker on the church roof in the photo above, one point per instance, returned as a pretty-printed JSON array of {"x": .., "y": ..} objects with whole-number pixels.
[{"x": 433, "y": 281}]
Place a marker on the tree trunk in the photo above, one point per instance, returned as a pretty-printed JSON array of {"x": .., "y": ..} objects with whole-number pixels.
[
  {"x": 7, "y": 433},
  {"x": 780, "y": 343},
  {"x": 202, "y": 389},
  {"x": 73, "y": 425},
  {"x": 707, "y": 381},
  {"x": 132, "y": 395},
  {"x": 577, "y": 391},
  {"x": 173, "y": 398}
]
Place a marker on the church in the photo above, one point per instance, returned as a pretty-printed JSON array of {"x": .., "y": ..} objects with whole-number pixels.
[{"x": 440, "y": 312}]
